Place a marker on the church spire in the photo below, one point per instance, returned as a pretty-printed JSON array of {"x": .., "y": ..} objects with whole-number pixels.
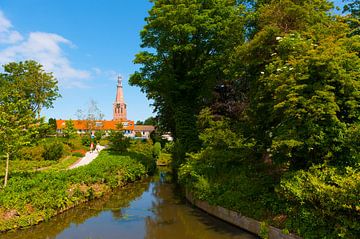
[
  {"x": 119, "y": 92},
  {"x": 119, "y": 107}
]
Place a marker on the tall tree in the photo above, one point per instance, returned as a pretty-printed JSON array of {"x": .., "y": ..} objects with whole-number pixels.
[
  {"x": 34, "y": 84},
  {"x": 302, "y": 70},
  {"x": 190, "y": 42},
  {"x": 16, "y": 117}
]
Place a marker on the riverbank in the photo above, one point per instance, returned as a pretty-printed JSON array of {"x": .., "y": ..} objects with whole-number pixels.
[
  {"x": 239, "y": 220},
  {"x": 31, "y": 198}
]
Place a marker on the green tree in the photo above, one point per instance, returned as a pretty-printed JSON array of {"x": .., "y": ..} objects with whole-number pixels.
[
  {"x": 69, "y": 131},
  {"x": 52, "y": 125},
  {"x": 191, "y": 40},
  {"x": 118, "y": 142},
  {"x": 33, "y": 83},
  {"x": 353, "y": 19},
  {"x": 150, "y": 121},
  {"x": 139, "y": 122},
  {"x": 16, "y": 117}
]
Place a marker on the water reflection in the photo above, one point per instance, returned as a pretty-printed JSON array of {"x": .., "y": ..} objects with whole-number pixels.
[{"x": 149, "y": 209}]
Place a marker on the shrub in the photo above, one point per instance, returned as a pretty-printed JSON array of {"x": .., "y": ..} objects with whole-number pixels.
[
  {"x": 86, "y": 140},
  {"x": 138, "y": 134},
  {"x": 118, "y": 142},
  {"x": 157, "y": 150},
  {"x": 31, "y": 153},
  {"x": 168, "y": 148},
  {"x": 53, "y": 150},
  {"x": 323, "y": 201}
]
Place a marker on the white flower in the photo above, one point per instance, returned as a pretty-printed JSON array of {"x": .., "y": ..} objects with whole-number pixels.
[
  {"x": 278, "y": 38},
  {"x": 262, "y": 73},
  {"x": 273, "y": 54}
]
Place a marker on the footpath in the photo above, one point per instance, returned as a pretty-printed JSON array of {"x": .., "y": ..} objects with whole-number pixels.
[{"x": 89, "y": 156}]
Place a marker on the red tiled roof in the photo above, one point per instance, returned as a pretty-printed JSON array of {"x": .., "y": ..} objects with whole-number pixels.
[
  {"x": 149, "y": 128},
  {"x": 99, "y": 124}
]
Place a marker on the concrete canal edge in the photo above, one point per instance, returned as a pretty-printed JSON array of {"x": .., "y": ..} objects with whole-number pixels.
[{"x": 239, "y": 220}]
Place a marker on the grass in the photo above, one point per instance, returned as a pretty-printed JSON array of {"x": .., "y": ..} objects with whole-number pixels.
[
  {"x": 21, "y": 166},
  {"x": 28, "y": 166}
]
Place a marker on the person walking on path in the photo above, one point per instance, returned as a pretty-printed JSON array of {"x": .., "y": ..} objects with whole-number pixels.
[{"x": 91, "y": 147}]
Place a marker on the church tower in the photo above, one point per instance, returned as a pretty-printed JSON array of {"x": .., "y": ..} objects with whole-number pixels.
[{"x": 119, "y": 107}]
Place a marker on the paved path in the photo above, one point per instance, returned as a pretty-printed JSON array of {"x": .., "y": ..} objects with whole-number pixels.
[{"x": 87, "y": 158}]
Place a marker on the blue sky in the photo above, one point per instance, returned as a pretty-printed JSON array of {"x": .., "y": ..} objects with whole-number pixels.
[{"x": 86, "y": 43}]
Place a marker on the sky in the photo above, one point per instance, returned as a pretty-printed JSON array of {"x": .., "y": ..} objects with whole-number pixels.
[{"x": 85, "y": 43}]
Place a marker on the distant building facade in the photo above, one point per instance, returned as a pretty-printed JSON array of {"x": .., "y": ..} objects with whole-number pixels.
[{"x": 119, "y": 118}]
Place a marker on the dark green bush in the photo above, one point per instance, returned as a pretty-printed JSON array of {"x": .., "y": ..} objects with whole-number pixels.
[
  {"x": 53, "y": 150},
  {"x": 118, "y": 142},
  {"x": 323, "y": 202}
]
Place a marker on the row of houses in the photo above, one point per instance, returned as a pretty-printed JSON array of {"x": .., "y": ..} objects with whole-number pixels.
[{"x": 129, "y": 128}]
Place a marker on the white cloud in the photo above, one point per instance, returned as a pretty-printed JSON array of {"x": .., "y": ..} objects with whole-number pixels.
[
  {"x": 7, "y": 35},
  {"x": 45, "y": 48}
]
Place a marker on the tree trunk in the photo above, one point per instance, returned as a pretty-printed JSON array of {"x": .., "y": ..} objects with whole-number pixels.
[
  {"x": 6, "y": 169},
  {"x": 38, "y": 113}
]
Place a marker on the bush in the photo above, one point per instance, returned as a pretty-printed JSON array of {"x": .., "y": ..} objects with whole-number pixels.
[
  {"x": 138, "y": 134},
  {"x": 53, "y": 150},
  {"x": 157, "y": 150},
  {"x": 31, "y": 153},
  {"x": 118, "y": 142},
  {"x": 168, "y": 148},
  {"x": 323, "y": 201},
  {"x": 86, "y": 141}
]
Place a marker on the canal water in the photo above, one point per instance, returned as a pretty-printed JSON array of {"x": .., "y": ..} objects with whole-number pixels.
[{"x": 150, "y": 209}]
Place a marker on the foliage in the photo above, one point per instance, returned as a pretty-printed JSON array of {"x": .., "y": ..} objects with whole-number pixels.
[
  {"x": 310, "y": 92},
  {"x": 52, "y": 124},
  {"x": 324, "y": 201},
  {"x": 31, "y": 153},
  {"x": 99, "y": 134},
  {"x": 168, "y": 147},
  {"x": 69, "y": 130},
  {"x": 190, "y": 40},
  {"x": 138, "y": 134},
  {"x": 86, "y": 140},
  {"x": 150, "y": 121},
  {"x": 164, "y": 159},
  {"x": 15, "y": 118},
  {"x": 157, "y": 150},
  {"x": 33, "y": 83},
  {"x": 118, "y": 142},
  {"x": 53, "y": 150},
  {"x": 353, "y": 19},
  {"x": 39, "y": 196}
]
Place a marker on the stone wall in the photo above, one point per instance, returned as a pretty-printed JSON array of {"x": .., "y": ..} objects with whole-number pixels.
[{"x": 239, "y": 220}]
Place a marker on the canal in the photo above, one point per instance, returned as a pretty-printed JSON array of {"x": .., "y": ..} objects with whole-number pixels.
[{"x": 149, "y": 209}]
